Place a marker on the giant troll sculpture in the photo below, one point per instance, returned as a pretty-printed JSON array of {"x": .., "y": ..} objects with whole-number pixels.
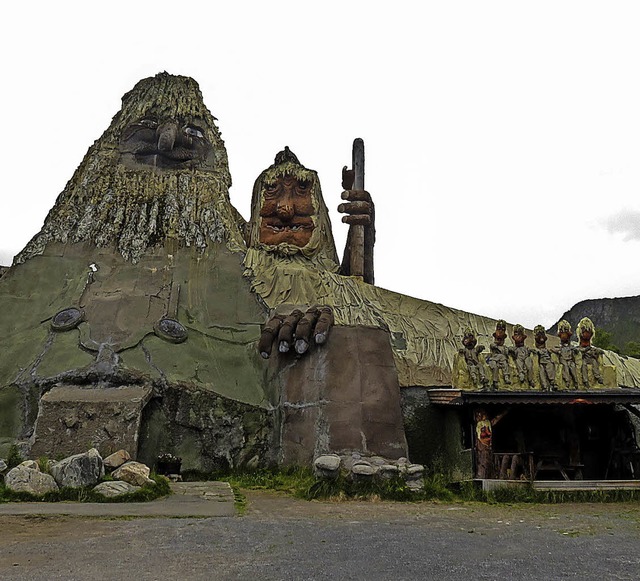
[
  {"x": 135, "y": 282},
  {"x": 133, "y": 318},
  {"x": 128, "y": 320}
]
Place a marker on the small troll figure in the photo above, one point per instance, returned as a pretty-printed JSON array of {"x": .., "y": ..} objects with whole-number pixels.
[
  {"x": 499, "y": 356},
  {"x": 470, "y": 352},
  {"x": 524, "y": 364},
  {"x": 590, "y": 354},
  {"x": 567, "y": 355},
  {"x": 546, "y": 366}
]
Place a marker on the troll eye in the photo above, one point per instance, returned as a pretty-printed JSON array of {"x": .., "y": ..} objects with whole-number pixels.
[
  {"x": 193, "y": 131},
  {"x": 270, "y": 189},
  {"x": 303, "y": 187},
  {"x": 148, "y": 122}
]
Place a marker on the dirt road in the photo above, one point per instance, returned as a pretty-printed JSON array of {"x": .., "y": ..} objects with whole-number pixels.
[{"x": 283, "y": 538}]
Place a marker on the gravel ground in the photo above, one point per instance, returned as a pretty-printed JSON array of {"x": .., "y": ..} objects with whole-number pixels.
[{"x": 284, "y": 538}]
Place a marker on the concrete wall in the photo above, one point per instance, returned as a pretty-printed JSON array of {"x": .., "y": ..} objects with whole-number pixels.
[{"x": 435, "y": 435}]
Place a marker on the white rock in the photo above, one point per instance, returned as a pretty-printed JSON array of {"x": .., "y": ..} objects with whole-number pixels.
[
  {"x": 25, "y": 479},
  {"x": 415, "y": 485},
  {"x": 79, "y": 470},
  {"x": 30, "y": 464},
  {"x": 363, "y": 469},
  {"x": 414, "y": 469},
  {"x": 134, "y": 473},
  {"x": 115, "y": 488},
  {"x": 388, "y": 471},
  {"x": 3, "y": 466},
  {"x": 328, "y": 462}
]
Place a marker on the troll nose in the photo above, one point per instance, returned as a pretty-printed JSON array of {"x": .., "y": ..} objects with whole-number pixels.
[
  {"x": 285, "y": 210},
  {"x": 166, "y": 134}
]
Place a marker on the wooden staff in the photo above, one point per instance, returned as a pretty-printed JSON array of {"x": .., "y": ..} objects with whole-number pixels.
[{"x": 357, "y": 231}]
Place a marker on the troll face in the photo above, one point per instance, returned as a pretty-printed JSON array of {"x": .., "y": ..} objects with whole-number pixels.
[
  {"x": 159, "y": 170},
  {"x": 585, "y": 336},
  {"x": 586, "y": 332},
  {"x": 518, "y": 335},
  {"x": 286, "y": 212},
  {"x": 170, "y": 143},
  {"x": 500, "y": 333},
  {"x": 565, "y": 337},
  {"x": 564, "y": 332},
  {"x": 540, "y": 337},
  {"x": 469, "y": 340}
]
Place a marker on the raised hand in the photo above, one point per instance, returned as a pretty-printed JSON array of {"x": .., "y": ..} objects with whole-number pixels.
[{"x": 297, "y": 329}]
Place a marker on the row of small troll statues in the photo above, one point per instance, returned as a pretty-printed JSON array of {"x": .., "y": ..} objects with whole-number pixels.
[{"x": 499, "y": 353}]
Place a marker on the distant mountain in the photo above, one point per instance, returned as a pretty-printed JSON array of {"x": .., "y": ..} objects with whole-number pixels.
[{"x": 619, "y": 317}]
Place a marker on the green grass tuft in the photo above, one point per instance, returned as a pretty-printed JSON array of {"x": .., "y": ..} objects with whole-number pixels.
[{"x": 14, "y": 457}]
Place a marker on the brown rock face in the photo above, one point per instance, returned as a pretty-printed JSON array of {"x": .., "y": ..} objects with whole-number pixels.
[
  {"x": 116, "y": 459},
  {"x": 343, "y": 397}
]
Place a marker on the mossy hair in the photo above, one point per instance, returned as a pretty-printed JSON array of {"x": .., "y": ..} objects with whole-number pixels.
[
  {"x": 468, "y": 332},
  {"x": 587, "y": 324},
  {"x": 564, "y": 327},
  {"x": 108, "y": 204}
]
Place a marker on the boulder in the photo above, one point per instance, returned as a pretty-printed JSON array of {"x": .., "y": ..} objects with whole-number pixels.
[
  {"x": 79, "y": 470},
  {"x": 134, "y": 473},
  {"x": 115, "y": 488},
  {"x": 30, "y": 464},
  {"x": 116, "y": 459},
  {"x": 415, "y": 485},
  {"x": 415, "y": 477},
  {"x": 415, "y": 470},
  {"x": 388, "y": 471},
  {"x": 3, "y": 466},
  {"x": 25, "y": 479},
  {"x": 363, "y": 469},
  {"x": 327, "y": 466},
  {"x": 329, "y": 462}
]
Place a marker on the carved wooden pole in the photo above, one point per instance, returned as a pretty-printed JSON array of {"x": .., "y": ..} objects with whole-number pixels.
[{"x": 357, "y": 248}]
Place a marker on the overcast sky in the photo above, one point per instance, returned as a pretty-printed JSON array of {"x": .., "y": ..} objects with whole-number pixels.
[{"x": 502, "y": 138}]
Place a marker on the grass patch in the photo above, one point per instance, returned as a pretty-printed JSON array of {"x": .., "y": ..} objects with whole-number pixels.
[
  {"x": 146, "y": 493},
  {"x": 301, "y": 483},
  {"x": 468, "y": 491},
  {"x": 239, "y": 501},
  {"x": 291, "y": 481}
]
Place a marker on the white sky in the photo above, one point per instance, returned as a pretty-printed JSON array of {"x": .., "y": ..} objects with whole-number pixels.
[{"x": 502, "y": 138}]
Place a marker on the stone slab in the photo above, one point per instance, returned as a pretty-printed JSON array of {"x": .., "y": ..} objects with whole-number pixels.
[{"x": 72, "y": 417}]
